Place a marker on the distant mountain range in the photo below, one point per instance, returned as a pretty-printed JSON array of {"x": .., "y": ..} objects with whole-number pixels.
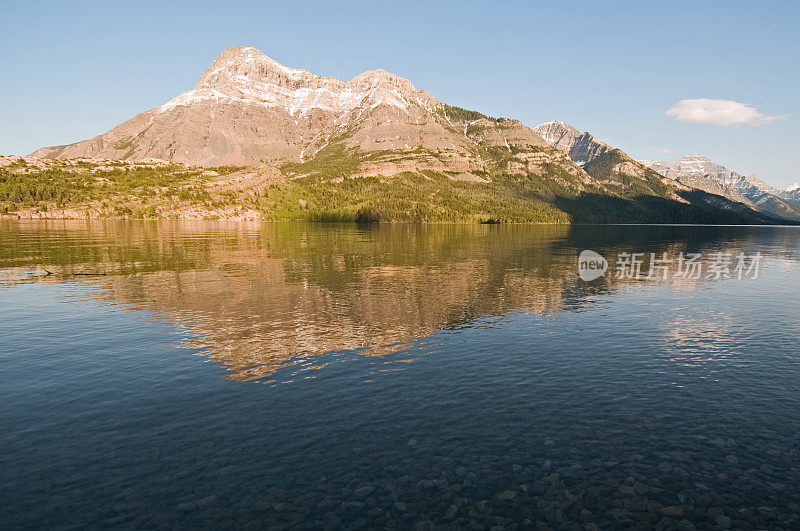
[
  {"x": 314, "y": 135},
  {"x": 700, "y": 172},
  {"x": 695, "y": 171}
]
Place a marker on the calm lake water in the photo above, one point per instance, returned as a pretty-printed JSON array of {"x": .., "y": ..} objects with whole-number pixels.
[{"x": 166, "y": 374}]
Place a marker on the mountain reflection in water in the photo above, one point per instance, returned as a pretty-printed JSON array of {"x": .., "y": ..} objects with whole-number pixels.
[{"x": 263, "y": 296}]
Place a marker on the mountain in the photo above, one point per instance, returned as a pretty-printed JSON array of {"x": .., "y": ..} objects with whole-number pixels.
[
  {"x": 581, "y": 147},
  {"x": 296, "y": 145},
  {"x": 791, "y": 194},
  {"x": 611, "y": 166},
  {"x": 700, "y": 172},
  {"x": 618, "y": 171},
  {"x": 602, "y": 161},
  {"x": 248, "y": 109},
  {"x": 698, "y": 180}
]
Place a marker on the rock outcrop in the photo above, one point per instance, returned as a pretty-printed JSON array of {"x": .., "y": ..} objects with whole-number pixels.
[{"x": 581, "y": 147}]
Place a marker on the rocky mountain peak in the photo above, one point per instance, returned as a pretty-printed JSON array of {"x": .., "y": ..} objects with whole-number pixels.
[
  {"x": 793, "y": 187},
  {"x": 245, "y": 75},
  {"x": 694, "y": 157},
  {"x": 698, "y": 164},
  {"x": 249, "y": 108},
  {"x": 581, "y": 147},
  {"x": 553, "y": 132},
  {"x": 247, "y": 62},
  {"x": 382, "y": 78}
]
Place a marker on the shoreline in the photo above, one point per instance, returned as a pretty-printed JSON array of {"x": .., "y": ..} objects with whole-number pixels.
[{"x": 6, "y": 217}]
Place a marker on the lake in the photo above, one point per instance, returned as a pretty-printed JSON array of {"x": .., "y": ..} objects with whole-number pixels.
[{"x": 175, "y": 374}]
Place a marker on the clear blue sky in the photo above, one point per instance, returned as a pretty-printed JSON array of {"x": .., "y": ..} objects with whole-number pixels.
[{"x": 72, "y": 70}]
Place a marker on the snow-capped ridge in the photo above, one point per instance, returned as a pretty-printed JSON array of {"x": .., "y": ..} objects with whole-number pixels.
[
  {"x": 243, "y": 74},
  {"x": 793, "y": 187}
]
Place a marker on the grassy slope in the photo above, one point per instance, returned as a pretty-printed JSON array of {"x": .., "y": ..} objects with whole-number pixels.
[
  {"x": 626, "y": 185},
  {"x": 515, "y": 198},
  {"x": 429, "y": 196},
  {"x": 322, "y": 190},
  {"x": 121, "y": 189}
]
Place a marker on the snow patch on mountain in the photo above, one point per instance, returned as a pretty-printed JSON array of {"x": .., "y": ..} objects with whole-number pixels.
[{"x": 246, "y": 75}]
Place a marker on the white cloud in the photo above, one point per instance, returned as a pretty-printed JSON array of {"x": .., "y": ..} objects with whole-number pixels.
[
  {"x": 719, "y": 112},
  {"x": 665, "y": 151}
]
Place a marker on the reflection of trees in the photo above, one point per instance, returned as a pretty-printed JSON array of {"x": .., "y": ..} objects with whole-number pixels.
[{"x": 259, "y": 295}]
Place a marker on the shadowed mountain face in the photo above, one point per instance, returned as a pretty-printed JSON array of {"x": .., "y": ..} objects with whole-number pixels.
[
  {"x": 645, "y": 181},
  {"x": 257, "y": 298},
  {"x": 646, "y": 192}
]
